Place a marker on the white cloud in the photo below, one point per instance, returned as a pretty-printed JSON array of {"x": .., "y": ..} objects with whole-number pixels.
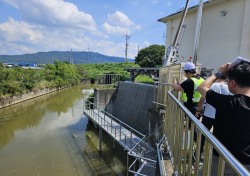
[
  {"x": 14, "y": 31},
  {"x": 120, "y": 19},
  {"x": 18, "y": 37},
  {"x": 115, "y": 29},
  {"x": 57, "y": 25},
  {"x": 54, "y": 13},
  {"x": 119, "y": 24}
]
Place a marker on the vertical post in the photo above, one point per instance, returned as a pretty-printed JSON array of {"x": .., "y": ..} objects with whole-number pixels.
[
  {"x": 197, "y": 32},
  {"x": 127, "y": 163},
  {"x": 130, "y": 138},
  {"x": 100, "y": 139},
  {"x": 113, "y": 143},
  {"x": 104, "y": 120},
  {"x": 98, "y": 115},
  {"x": 111, "y": 125},
  {"x": 126, "y": 50},
  {"x": 120, "y": 131}
]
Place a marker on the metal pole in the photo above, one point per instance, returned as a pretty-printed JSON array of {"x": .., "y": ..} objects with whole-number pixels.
[
  {"x": 197, "y": 32},
  {"x": 181, "y": 23},
  {"x": 100, "y": 139}
]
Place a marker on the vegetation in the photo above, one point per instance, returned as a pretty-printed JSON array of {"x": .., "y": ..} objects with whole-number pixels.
[
  {"x": 89, "y": 71},
  {"x": 150, "y": 56},
  {"x": 17, "y": 80},
  {"x": 144, "y": 79}
]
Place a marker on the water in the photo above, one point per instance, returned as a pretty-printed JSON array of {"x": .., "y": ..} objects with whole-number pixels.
[{"x": 50, "y": 136}]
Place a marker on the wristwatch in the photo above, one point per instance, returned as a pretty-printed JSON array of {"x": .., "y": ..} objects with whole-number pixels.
[{"x": 217, "y": 75}]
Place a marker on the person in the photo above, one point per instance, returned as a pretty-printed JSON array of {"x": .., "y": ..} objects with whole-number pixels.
[
  {"x": 190, "y": 96},
  {"x": 232, "y": 121},
  {"x": 208, "y": 117}
]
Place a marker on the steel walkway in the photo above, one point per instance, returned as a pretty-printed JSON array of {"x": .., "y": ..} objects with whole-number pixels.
[{"x": 130, "y": 139}]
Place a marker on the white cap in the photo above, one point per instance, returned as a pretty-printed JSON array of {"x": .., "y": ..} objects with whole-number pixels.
[
  {"x": 189, "y": 66},
  {"x": 238, "y": 60}
]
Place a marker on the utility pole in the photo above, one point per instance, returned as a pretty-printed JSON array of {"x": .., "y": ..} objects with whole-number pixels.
[
  {"x": 126, "y": 50},
  {"x": 71, "y": 58},
  {"x": 88, "y": 54}
]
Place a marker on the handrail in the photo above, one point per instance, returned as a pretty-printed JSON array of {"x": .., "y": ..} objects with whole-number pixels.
[
  {"x": 220, "y": 148},
  {"x": 137, "y": 150},
  {"x": 160, "y": 155},
  {"x": 107, "y": 79},
  {"x": 175, "y": 138},
  {"x": 113, "y": 117}
]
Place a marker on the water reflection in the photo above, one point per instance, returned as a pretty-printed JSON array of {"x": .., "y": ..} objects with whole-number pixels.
[
  {"x": 47, "y": 136},
  {"x": 30, "y": 113}
]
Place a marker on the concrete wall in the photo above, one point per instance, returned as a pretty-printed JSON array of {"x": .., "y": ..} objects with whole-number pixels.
[
  {"x": 103, "y": 98},
  {"x": 222, "y": 37},
  {"x": 4, "y": 102}
]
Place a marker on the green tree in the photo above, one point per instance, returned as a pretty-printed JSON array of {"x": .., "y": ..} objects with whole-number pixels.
[{"x": 150, "y": 56}]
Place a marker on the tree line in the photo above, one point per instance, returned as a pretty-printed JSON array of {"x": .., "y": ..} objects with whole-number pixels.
[{"x": 17, "y": 80}]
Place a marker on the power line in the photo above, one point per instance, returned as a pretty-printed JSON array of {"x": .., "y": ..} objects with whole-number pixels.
[{"x": 145, "y": 30}]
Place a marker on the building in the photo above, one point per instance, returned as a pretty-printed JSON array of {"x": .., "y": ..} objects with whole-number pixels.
[{"x": 224, "y": 33}]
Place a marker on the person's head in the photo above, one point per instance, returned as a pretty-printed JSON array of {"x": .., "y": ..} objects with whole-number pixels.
[
  {"x": 189, "y": 69},
  {"x": 239, "y": 76}
]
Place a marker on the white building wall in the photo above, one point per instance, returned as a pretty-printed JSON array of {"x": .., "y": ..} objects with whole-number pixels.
[{"x": 222, "y": 37}]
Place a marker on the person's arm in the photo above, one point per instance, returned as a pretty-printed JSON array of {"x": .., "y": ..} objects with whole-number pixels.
[
  {"x": 177, "y": 87},
  {"x": 199, "y": 108},
  {"x": 205, "y": 85}
]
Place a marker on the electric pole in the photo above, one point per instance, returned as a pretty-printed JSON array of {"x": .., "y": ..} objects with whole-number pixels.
[
  {"x": 88, "y": 54},
  {"x": 126, "y": 50},
  {"x": 71, "y": 58}
]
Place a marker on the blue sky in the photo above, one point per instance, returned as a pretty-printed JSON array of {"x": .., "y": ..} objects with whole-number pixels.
[{"x": 30, "y": 26}]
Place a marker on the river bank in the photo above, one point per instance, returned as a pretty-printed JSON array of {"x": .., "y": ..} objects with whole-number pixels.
[{"x": 8, "y": 101}]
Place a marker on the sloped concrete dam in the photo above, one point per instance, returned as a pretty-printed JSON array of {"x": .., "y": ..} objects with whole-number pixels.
[{"x": 133, "y": 104}]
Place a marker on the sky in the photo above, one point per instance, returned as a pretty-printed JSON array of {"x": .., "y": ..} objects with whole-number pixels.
[{"x": 30, "y": 26}]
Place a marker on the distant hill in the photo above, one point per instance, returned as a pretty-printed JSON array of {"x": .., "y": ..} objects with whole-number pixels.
[{"x": 82, "y": 57}]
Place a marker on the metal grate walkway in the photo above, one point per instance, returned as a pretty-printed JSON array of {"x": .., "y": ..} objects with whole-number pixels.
[{"x": 129, "y": 138}]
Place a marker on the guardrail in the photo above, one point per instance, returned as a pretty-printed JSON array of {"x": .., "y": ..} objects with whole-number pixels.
[
  {"x": 100, "y": 117},
  {"x": 183, "y": 143},
  {"x": 104, "y": 80}
]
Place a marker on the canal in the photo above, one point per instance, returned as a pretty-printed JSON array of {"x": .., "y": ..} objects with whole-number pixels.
[{"x": 50, "y": 136}]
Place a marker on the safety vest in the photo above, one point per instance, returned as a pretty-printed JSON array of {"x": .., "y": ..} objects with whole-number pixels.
[{"x": 196, "y": 95}]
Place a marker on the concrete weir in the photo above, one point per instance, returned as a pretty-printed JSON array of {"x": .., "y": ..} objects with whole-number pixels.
[
  {"x": 132, "y": 103},
  {"x": 126, "y": 112}
]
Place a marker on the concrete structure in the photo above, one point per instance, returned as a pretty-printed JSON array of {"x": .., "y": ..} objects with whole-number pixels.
[{"x": 225, "y": 31}]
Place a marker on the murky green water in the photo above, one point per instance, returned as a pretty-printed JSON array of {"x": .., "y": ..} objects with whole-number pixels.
[{"x": 49, "y": 136}]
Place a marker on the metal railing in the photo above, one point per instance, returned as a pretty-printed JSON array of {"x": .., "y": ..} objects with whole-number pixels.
[
  {"x": 183, "y": 143},
  {"x": 112, "y": 125},
  {"x": 104, "y": 80},
  {"x": 134, "y": 141}
]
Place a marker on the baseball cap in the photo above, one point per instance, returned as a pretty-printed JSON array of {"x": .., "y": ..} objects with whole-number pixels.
[
  {"x": 238, "y": 60},
  {"x": 189, "y": 66}
]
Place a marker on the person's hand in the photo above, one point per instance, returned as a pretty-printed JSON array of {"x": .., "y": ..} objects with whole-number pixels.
[
  {"x": 176, "y": 81},
  {"x": 223, "y": 69},
  {"x": 198, "y": 114}
]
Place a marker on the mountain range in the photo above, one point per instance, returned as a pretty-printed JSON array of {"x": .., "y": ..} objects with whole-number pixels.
[{"x": 82, "y": 57}]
